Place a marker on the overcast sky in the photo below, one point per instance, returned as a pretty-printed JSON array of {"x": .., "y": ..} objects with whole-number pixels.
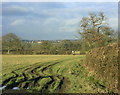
[{"x": 50, "y": 20}]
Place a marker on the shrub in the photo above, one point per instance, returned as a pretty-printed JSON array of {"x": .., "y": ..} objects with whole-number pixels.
[{"x": 104, "y": 63}]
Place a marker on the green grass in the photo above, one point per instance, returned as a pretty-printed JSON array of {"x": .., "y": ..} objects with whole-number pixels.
[
  {"x": 49, "y": 73},
  {"x": 13, "y": 62}
]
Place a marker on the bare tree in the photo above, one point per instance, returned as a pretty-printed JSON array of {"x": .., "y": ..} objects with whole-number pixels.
[{"x": 94, "y": 30}]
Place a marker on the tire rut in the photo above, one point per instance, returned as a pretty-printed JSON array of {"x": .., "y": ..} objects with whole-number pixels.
[{"x": 32, "y": 76}]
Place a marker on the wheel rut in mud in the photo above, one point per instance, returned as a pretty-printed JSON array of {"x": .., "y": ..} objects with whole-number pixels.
[{"x": 34, "y": 78}]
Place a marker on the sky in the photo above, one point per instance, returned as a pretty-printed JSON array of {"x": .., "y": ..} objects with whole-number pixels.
[{"x": 52, "y": 20}]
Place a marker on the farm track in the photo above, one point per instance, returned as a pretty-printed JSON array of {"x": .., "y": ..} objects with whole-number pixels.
[
  {"x": 35, "y": 78},
  {"x": 40, "y": 77}
]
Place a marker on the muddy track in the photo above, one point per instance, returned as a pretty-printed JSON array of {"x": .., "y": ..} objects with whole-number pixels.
[
  {"x": 41, "y": 77},
  {"x": 35, "y": 78},
  {"x": 23, "y": 68},
  {"x": 49, "y": 66}
]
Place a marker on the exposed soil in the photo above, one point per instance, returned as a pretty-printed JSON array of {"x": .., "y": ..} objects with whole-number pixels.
[{"x": 32, "y": 76}]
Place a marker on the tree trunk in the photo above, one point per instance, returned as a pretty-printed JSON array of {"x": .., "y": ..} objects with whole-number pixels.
[{"x": 8, "y": 51}]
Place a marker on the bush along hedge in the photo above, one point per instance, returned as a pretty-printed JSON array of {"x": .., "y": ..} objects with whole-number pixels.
[{"x": 103, "y": 62}]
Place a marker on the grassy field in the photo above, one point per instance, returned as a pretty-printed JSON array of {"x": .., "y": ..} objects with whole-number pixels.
[
  {"x": 13, "y": 62},
  {"x": 49, "y": 73}
]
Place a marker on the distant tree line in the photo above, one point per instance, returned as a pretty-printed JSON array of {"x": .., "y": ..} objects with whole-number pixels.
[{"x": 12, "y": 44}]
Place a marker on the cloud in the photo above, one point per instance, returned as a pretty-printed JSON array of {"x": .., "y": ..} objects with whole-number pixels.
[
  {"x": 113, "y": 22},
  {"x": 61, "y": 1},
  {"x": 15, "y": 10},
  {"x": 72, "y": 22},
  {"x": 68, "y": 28},
  {"x": 45, "y": 10},
  {"x": 36, "y": 20},
  {"x": 17, "y": 22},
  {"x": 51, "y": 20},
  {"x": 24, "y": 11}
]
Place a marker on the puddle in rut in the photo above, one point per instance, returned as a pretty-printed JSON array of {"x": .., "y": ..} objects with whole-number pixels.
[{"x": 1, "y": 88}]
